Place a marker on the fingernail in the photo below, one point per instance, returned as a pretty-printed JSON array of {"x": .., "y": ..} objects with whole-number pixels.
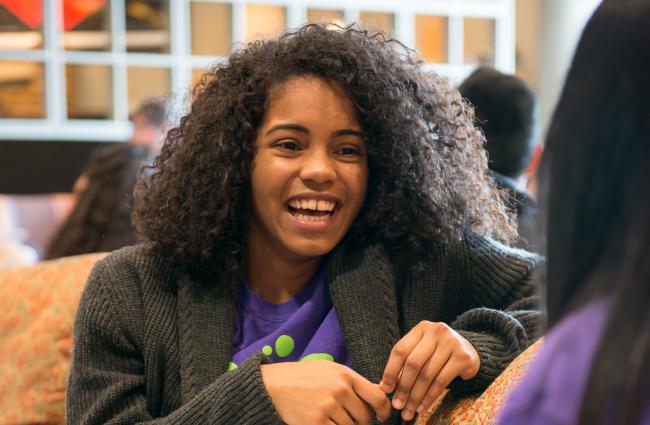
[
  {"x": 421, "y": 408},
  {"x": 407, "y": 415},
  {"x": 397, "y": 403}
]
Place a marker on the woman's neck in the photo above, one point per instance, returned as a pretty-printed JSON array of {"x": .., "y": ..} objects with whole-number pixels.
[{"x": 274, "y": 277}]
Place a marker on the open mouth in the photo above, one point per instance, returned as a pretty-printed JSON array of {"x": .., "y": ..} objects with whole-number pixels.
[{"x": 312, "y": 210}]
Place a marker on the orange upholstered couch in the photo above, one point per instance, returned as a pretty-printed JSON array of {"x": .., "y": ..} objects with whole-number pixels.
[{"x": 37, "y": 309}]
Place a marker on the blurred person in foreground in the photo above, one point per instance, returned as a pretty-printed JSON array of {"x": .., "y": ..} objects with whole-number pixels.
[
  {"x": 594, "y": 367},
  {"x": 101, "y": 217},
  {"x": 504, "y": 107}
]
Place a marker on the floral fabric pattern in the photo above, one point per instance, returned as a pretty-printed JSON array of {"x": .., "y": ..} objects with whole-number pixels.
[
  {"x": 38, "y": 305},
  {"x": 482, "y": 409}
]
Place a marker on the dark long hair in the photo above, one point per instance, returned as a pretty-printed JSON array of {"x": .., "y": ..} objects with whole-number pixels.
[
  {"x": 101, "y": 218},
  {"x": 427, "y": 166},
  {"x": 598, "y": 160}
]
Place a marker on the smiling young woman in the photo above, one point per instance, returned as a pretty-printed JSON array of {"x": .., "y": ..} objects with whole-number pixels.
[
  {"x": 320, "y": 231},
  {"x": 308, "y": 179}
]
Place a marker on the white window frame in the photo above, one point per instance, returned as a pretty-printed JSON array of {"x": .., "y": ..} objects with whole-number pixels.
[{"x": 180, "y": 61}]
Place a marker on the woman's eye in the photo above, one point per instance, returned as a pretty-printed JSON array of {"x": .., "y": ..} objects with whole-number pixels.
[
  {"x": 349, "y": 151},
  {"x": 288, "y": 145}
]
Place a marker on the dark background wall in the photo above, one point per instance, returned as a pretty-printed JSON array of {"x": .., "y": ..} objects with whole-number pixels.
[{"x": 42, "y": 167}]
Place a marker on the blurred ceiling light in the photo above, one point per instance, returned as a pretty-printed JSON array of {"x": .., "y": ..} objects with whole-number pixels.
[
  {"x": 100, "y": 40},
  {"x": 23, "y": 40},
  {"x": 146, "y": 39},
  {"x": 86, "y": 40},
  {"x": 16, "y": 72}
]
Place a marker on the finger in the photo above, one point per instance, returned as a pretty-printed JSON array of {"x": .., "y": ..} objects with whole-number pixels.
[
  {"x": 398, "y": 356},
  {"x": 425, "y": 378},
  {"x": 371, "y": 394},
  {"x": 414, "y": 363},
  {"x": 340, "y": 416},
  {"x": 450, "y": 371},
  {"x": 472, "y": 362},
  {"x": 358, "y": 410}
]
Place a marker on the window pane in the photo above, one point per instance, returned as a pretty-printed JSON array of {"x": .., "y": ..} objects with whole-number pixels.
[
  {"x": 145, "y": 83},
  {"x": 211, "y": 28},
  {"x": 21, "y": 28},
  {"x": 328, "y": 16},
  {"x": 263, "y": 22},
  {"x": 384, "y": 22},
  {"x": 196, "y": 79},
  {"x": 431, "y": 38},
  {"x": 21, "y": 90},
  {"x": 89, "y": 91},
  {"x": 196, "y": 76},
  {"x": 479, "y": 41},
  {"x": 87, "y": 25},
  {"x": 147, "y": 26}
]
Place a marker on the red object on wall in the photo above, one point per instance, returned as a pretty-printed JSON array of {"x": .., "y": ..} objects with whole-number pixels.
[{"x": 31, "y": 11}]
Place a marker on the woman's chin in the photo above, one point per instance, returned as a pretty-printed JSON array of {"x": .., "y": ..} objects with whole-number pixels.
[{"x": 311, "y": 248}]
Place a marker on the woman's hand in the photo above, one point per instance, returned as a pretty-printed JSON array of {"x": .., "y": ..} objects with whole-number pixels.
[
  {"x": 323, "y": 392},
  {"x": 423, "y": 363}
]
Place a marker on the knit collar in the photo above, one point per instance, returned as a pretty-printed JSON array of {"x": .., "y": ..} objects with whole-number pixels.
[{"x": 362, "y": 287}]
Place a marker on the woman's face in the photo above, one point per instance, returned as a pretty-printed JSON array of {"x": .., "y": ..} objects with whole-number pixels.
[{"x": 309, "y": 172}]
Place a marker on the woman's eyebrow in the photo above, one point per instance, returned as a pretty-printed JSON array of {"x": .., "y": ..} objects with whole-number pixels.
[
  {"x": 302, "y": 129},
  {"x": 295, "y": 127},
  {"x": 348, "y": 132}
]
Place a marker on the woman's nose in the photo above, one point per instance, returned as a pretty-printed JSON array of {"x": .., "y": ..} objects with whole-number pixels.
[{"x": 318, "y": 167}]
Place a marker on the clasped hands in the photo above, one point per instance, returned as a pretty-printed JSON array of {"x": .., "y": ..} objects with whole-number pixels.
[{"x": 421, "y": 365}]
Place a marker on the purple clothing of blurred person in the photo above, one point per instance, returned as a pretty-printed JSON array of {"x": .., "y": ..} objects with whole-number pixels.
[{"x": 551, "y": 392}]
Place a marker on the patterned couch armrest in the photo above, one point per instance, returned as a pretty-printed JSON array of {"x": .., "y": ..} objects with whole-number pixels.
[
  {"x": 38, "y": 305},
  {"x": 484, "y": 408}
]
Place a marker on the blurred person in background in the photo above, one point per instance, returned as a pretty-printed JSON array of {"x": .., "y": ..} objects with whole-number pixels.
[
  {"x": 504, "y": 107},
  {"x": 594, "y": 367},
  {"x": 151, "y": 121},
  {"x": 101, "y": 217},
  {"x": 36, "y": 217}
]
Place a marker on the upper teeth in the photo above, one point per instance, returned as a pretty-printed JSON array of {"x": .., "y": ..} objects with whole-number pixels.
[{"x": 312, "y": 204}]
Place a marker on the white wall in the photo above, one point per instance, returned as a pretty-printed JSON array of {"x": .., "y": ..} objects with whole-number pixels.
[{"x": 561, "y": 24}]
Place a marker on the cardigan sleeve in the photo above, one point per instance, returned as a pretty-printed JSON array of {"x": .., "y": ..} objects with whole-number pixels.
[
  {"x": 502, "y": 314},
  {"x": 107, "y": 377}
]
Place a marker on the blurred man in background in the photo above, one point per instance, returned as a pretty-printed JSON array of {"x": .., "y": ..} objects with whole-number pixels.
[
  {"x": 151, "y": 120},
  {"x": 505, "y": 108}
]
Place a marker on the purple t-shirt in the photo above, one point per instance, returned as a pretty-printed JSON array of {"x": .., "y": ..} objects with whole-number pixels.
[
  {"x": 303, "y": 328},
  {"x": 551, "y": 391}
]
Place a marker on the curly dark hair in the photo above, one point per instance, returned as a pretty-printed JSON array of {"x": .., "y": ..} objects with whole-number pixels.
[
  {"x": 427, "y": 166},
  {"x": 101, "y": 218}
]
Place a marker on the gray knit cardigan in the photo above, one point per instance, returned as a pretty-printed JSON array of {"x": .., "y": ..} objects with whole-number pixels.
[{"x": 152, "y": 346}]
